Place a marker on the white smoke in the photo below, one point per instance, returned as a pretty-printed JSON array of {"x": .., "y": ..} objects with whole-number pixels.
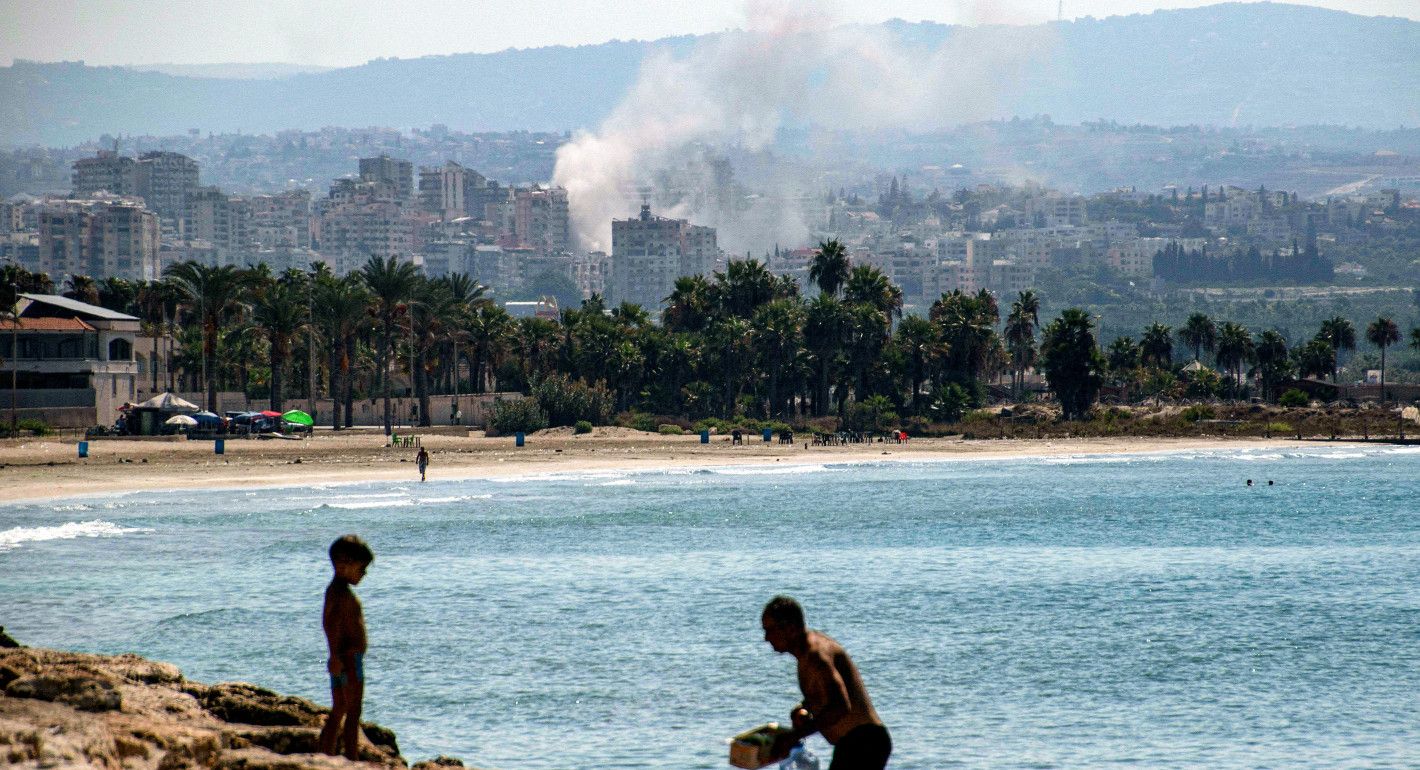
[{"x": 792, "y": 64}]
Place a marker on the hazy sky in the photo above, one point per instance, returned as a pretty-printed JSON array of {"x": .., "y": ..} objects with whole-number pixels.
[{"x": 345, "y": 32}]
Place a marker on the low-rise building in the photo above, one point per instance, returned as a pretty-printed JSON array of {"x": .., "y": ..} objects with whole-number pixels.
[{"x": 73, "y": 362}]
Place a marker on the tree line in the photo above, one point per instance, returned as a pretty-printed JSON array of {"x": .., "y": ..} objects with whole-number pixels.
[{"x": 742, "y": 343}]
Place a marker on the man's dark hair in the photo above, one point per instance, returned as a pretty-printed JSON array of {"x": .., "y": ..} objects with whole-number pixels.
[
  {"x": 784, "y": 611},
  {"x": 351, "y": 548}
]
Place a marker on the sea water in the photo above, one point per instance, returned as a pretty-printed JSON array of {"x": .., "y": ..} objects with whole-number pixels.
[{"x": 1075, "y": 612}]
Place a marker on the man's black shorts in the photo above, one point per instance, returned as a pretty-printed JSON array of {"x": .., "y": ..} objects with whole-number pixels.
[{"x": 866, "y": 747}]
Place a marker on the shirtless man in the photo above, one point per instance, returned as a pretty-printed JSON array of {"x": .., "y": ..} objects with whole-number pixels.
[
  {"x": 835, "y": 702},
  {"x": 344, "y": 623}
]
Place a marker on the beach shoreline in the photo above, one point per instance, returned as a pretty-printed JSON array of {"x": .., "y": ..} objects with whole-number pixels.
[{"x": 40, "y": 469}]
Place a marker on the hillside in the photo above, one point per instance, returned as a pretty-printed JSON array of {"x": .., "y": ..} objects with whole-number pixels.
[{"x": 1232, "y": 64}]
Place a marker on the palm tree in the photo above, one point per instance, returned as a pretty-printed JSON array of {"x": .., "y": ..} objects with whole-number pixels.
[
  {"x": 689, "y": 306},
  {"x": 1156, "y": 346},
  {"x": 342, "y": 311},
  {"x": 281, "y": 312},
  {"x": 1199, "y": 333},
  {"x": 210, "y": 293},
  {"x": 1235, "y": 348},
  {"x": 391, "y": 283},
  {"x": 1315, "y": 359},
  {"x": 917, "y": 338},
  {"x": 82, "y": 288},
  {"x": 968, "y": 326},
  {"x": 1072, "y": 363},
  {"x": 777, "y": 331},
  {"x": 829, "y": 267},
  {"x": 867, "y": 285},
  {"x": 1273, "y": 365},
  {"x": 117, "y": 294},
  {"x": 1342, "y": 335},
  {"x": 825, "y": 330},
  {"x": 1020, "y": 338},
  {"x": 490, "y": 332},
  {"x": 1383, "y": 332},
  {"x": 743, "y": 287}
]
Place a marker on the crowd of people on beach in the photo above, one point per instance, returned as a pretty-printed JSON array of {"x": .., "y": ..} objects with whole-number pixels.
[{"x": 835, "y": 705}]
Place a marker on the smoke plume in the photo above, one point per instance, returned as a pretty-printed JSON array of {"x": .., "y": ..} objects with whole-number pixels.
[{"x": 791, "y": 66}]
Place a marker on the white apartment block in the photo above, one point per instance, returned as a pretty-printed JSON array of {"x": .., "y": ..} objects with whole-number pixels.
[
  {"x": 648, "y": 253},
  {"x": 540, "y": 219},
  {"x": 98, "y": 238},
  {"x": 1053, "y": 210}
]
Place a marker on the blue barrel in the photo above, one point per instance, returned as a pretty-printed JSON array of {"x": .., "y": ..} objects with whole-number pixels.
[
  {"x": 83, "y": 449},
  {"x": 704, "y": 436},
  {"x": 519, "y": 438},
  {"x": 220, "y": 447},
  {"x": 768, "y": 434}
]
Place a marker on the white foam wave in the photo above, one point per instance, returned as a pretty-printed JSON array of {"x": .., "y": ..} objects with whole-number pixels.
[
  {"x": 371, "y": 504},
  {"x": 617, "y": 483},
  {"x": 769, "y": 470},
  {"x": 13, "y": 537},
  {"x": 452, "y": 499},
  {"x": 1086, "y": 460}
]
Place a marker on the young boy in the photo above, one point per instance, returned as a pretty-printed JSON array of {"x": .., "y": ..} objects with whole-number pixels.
[{"x": 344, "y": 623}]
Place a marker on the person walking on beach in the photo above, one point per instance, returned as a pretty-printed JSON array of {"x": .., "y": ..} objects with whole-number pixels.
[
  {"x": 344, "y": 623},
  {"x": 836, "y": 703},
  {"x": 423, "y": 461}
]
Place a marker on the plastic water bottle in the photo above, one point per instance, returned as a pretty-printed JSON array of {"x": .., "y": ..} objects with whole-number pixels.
[{"x": 799, "y": 758}]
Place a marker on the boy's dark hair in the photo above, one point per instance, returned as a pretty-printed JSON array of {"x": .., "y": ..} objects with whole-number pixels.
[
  {"x": 351, "y": 548},
  {"x": 784, "y": 611}
]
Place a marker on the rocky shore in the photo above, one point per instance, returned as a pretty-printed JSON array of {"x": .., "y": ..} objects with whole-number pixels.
[{"x": 122, "y": 712}]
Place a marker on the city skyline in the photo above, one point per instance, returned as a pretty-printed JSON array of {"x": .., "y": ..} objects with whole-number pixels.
[{"x": 105, "y": 32}]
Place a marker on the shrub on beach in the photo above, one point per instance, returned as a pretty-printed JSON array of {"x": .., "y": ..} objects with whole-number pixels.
[
  {"x": 670, "y": 430},
  {"x": 582, "y": 426},
  {"x": 523, "y": 415},
  {"x": 1198, "y": 412},
  {"x": 565, "y": 401},
  {"x": 1293, "y": 398},
  {"x": 33, "y": 426}
]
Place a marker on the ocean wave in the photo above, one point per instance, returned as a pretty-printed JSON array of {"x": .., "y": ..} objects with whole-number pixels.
[
  {"x": 452, "y": 499},
  {"x": 370, "y": 504},
  {"x": 1088, "y": 460},
  {"x": 617, "y": 483},
  {"x": 12, "y": 538},
  {"x": 768, "y": 470}
]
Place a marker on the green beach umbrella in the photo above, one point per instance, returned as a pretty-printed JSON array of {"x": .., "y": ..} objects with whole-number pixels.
[{"x": 298, "y": 417}]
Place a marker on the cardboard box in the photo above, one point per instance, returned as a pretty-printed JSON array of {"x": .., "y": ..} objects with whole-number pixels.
[{"x": 754, "y": 748}]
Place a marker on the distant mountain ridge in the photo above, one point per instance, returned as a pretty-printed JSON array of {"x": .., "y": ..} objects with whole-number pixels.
[{"x": 1230, "y": 64}]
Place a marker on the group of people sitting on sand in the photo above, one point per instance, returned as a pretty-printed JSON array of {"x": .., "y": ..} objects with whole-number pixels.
[{"x": 835, "y": 704}]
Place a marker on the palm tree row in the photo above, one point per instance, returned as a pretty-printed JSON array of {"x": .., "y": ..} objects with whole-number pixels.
[{"x": 742, "y": 342}]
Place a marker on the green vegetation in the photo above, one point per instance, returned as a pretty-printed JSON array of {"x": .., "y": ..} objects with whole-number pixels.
[
  {"x": 581, "y": 427},
  {"x": 521, "y": 415}
]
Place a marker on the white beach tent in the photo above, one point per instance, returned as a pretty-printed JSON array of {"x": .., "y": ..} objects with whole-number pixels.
[{"x": 167, "y": 402}]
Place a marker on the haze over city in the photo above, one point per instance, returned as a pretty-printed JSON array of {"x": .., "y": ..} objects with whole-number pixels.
[{"x": 114, "y": 32}]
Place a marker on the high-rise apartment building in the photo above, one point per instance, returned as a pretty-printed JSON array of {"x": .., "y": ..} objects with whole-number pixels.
[
  {"x": 442, "y": 189},
  {"x": 106, "y": 172},
  {"x": 99, "y": 238},
  {"x": 223, "y": 221},
  {"x": 648, "y": 253},
  {"x": 398, "y": 174},
  {"x": 164, "y": 180},
  {"x": 282, "y": 220},
  {"x": 540, "y": 220}
]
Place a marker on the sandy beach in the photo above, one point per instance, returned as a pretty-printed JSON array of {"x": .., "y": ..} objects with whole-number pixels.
[{"x": 43, "y": 469}]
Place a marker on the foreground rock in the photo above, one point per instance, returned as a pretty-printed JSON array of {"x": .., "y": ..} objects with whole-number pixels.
[{"x": 70, "y": 710}]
